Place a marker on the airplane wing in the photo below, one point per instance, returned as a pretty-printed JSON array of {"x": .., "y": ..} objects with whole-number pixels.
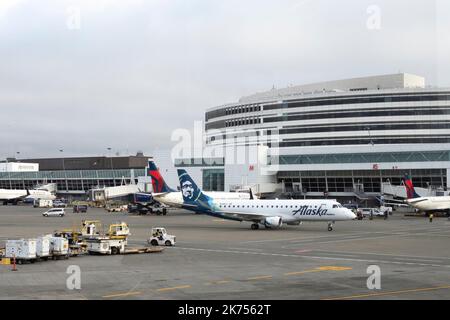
[
  {"x": 256, "y": 217},
  {"x": 396, "y": 204},
  {"x": 159, "y": 194},
  {"x": 395, "y": 200}
]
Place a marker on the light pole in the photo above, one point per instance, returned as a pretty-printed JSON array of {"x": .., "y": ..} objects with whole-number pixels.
[
  {"x": 64, "y": 170},
  {"x": 112, "y": 168}
]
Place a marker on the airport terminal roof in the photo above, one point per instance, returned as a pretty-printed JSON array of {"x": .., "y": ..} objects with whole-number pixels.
[{"x": 89, "y": 163}]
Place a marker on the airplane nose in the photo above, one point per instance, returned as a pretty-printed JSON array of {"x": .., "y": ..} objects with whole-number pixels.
[{"x": 351, "y": 214}]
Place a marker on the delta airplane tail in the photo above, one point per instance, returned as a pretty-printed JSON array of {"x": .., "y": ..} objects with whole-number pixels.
[
  {"x": 192, "y": 194},
  {"x": 158, "y": 183},
  {"x": 410, "y": 191}
]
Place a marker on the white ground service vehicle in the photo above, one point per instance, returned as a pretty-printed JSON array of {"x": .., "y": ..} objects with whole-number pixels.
[
  {"x": 56, "y": 212},
  {"x": 41, "y": 203},
  {"x": 159, "y": 237},
  {"x": 376, "y": 212},
  {"x": 105, "y": 245}
]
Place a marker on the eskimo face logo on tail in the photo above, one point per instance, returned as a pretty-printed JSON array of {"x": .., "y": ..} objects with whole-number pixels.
[{"x": 187, "y": 189}]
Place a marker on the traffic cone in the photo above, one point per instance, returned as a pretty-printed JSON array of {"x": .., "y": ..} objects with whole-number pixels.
[{"x": 14, "y": 263}]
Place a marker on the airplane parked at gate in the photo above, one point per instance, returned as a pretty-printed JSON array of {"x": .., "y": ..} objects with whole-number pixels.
[
  {"x": 269, "y": 213},
  {"x": 14, "y": 196},
  {"x": 425, "y": 204},
  {"x": 165, "y": 195}
]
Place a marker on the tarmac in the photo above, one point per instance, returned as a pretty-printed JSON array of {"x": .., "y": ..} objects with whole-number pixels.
[{"x": 220, "y": 259}]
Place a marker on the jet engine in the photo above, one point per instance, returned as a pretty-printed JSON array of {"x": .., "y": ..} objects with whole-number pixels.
[{"x": 273, "y": 222}]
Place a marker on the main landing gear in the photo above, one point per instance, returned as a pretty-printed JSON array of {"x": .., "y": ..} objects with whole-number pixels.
[
  {"x": 255, "y": 226},
  {"x": 330, "y": 226}
]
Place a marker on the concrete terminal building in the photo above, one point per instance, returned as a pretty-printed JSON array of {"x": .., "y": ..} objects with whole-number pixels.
[
  {"x": 74, "y": 176},
  {"x": 340, "y": 138}
]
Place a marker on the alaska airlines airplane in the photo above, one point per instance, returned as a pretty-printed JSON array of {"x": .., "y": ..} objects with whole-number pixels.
[
  {"x": 425, "y": 204},
  {"x": 165, "y": 195},
  {"x": 14, "y": 196},
  {"x": 269, "y": 213}
]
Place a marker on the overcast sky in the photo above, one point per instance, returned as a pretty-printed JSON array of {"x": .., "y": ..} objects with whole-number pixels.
[{"x": 86, "y": 75}]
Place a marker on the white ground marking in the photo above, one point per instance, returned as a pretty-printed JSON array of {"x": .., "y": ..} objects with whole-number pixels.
[
  {"x": 385, "y": 254},
  {"x": 317, "y": 257}
]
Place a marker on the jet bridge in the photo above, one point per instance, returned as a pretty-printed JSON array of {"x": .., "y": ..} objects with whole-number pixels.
[{"x": 109, "y": 193}]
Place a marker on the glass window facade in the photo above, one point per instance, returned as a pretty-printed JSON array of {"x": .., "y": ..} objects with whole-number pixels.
[
  {"x": 424, "y": 156},
  {"x": 213, "y": 180},
  {"x": 77, "y": 180},
  {"x": 371, "y": 180}
]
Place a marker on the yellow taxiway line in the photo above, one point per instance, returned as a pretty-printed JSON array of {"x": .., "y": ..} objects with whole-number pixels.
[
  {"x": 123, "y": 294},
  {"x": 389, "y": 293},
  {"x": 319, "y": 269},
  {"x": 173, "y": 288},
  {"x": 260, "y": 278}
]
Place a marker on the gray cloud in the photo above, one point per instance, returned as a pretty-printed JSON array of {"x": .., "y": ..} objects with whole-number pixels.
[{"x": 136, "y": 70}]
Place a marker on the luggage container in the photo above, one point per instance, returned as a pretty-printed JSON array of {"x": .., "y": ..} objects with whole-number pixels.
[
  {"x": 43, "y": 247},
  {"x": 59, "y": 247},
  {"x": 23, "y": 250}
]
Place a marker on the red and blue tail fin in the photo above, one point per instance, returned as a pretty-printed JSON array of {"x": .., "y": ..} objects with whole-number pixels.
[
  {"x": 410, "y": 191},
  {"x": 158, "y": 183}
]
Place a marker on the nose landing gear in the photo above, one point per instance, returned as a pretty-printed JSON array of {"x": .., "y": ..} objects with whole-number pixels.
[{"x": 330, "y": 226}]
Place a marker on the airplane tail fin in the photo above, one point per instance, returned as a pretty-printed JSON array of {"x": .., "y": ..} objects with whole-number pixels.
[
  {"x": 158, "y": 183},
  {"x": 192, "y": 194},
  {"x": 410, "y": 191}
]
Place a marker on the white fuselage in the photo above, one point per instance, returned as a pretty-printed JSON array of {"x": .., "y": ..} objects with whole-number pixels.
[
  {"x": 290, "y": 211},
  {"x": 175, "y": 199},
  {"x": 6, "y": 194},
  {"x": 430, "y": 203}
]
